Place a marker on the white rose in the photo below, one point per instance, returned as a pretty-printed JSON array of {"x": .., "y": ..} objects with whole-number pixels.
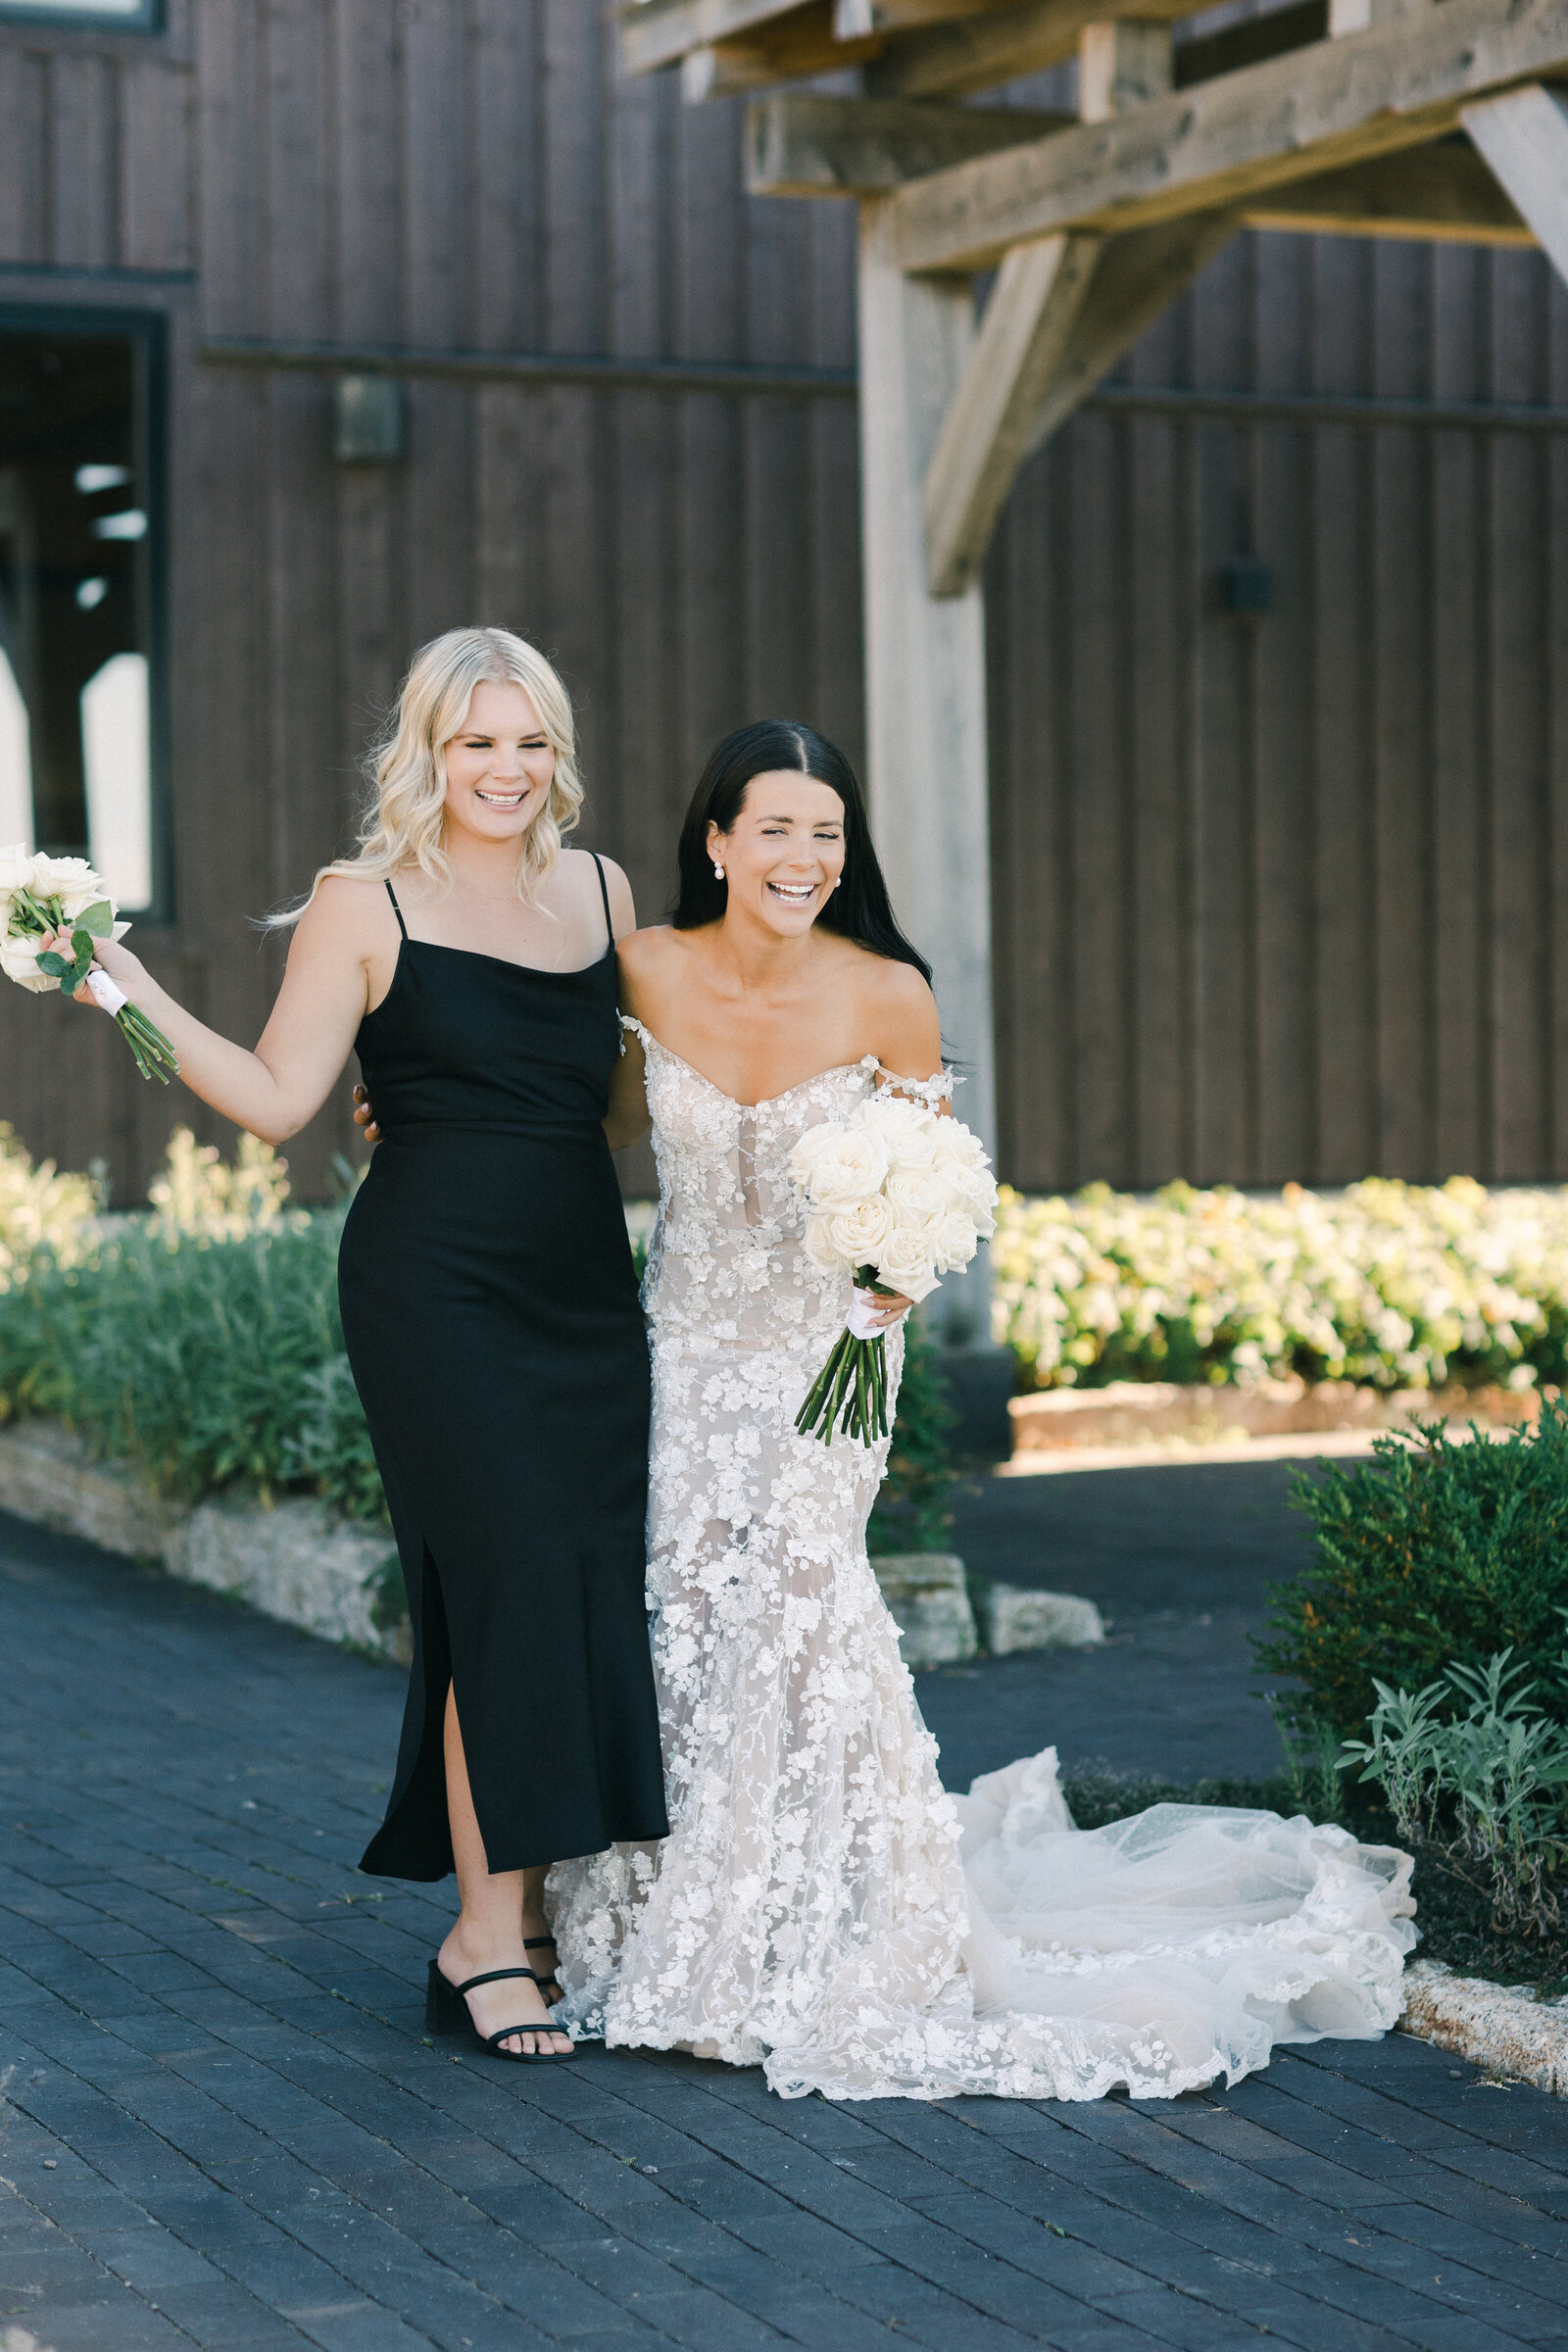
[
  {"x": 71, "y": 880},
  {"x": 974, "y": 1191},
  {"x": 915, "y": 1194},
  {"x": 955, "y": 1239},
  {"x": 818, "y": 1247},
  {"x": 15, "y": 868},
  {"x": 907, "y": 1262},
  {"x": 905, "y": 1128},
  {"x": 857, "y": 1234},
  {"x": 19, "y": 960},
  {"x": 846, "y": 1165},
  {"x": 958, "y": 1147}
]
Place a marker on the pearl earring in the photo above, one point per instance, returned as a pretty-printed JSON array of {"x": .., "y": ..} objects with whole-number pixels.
[{"x": 718, "y": 871}]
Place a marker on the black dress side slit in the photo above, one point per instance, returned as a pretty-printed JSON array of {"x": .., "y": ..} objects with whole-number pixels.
[{"x": 492, "y": 1321}]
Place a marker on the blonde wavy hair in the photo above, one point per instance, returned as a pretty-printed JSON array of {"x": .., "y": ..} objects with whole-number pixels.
[{"x": 405, "y": 821}]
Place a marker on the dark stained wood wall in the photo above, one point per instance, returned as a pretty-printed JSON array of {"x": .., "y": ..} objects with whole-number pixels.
[
  {"x": 1273, "y": 899},
  {"x": 1286, "y": 898}
]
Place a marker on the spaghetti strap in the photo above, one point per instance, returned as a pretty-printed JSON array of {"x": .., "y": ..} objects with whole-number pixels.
[
  {"x": 397, "y": 910},
  {"x": 604, "y": 893}
]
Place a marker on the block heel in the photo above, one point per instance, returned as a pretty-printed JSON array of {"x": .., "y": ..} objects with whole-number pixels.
[{"x": 447, "y": 2012}]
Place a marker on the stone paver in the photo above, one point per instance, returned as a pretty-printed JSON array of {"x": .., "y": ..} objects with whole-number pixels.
[
  {"x": 1179, "y": 1561},
  {"x": 223, "y": 2127}
]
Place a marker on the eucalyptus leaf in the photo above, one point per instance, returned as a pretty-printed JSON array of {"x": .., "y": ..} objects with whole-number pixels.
[{"x": 98, "y": 919}]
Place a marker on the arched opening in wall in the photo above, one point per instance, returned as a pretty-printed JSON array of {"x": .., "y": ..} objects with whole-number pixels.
[{"x": 79, "y": 530}]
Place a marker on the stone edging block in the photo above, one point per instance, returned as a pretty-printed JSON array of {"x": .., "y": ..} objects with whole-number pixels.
[
  {"x": 1013, "y": 1617},
  {"x": 298, "y": 1561},
  {"x": 1504, "y": 2028},
  {"x": 936, "y": 1607}
]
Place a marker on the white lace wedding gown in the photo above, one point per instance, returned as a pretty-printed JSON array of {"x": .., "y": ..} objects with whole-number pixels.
[{"x": 821, "y": 1907}]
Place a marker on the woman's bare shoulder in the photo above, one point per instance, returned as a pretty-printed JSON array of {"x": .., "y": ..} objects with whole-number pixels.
[
  {"x": 900, "y": 1013},
  {"x": 351, "y": 906},
  {"x": 657, "y": 947},
  {"x": 582, "y": 866},
  {"x": 887, "y": 985}
]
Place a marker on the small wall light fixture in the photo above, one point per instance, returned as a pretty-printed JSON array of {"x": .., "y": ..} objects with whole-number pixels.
[
  {"x": 1245, "y": 587},
  {"x": 367, "y": 420}
]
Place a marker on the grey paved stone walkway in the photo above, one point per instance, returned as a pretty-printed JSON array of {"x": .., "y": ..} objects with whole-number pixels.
[
  {"x": 223, "y": 2127},
  {"x": 1179, "y": 1561}
]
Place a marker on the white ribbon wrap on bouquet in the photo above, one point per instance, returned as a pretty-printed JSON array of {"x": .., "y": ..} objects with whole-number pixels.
[
  {"x": 864, "y": 1308},
  {"x": 103, "y": 991}
]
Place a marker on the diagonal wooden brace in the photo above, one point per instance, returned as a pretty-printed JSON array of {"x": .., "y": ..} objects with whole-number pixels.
[
  {"x": 1522, "y": 136},
  {"x": 1063, "y": 312},
  {"x": 1019, "y": 349}
]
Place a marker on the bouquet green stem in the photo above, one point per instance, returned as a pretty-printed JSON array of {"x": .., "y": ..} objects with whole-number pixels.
[
  {"x": 155, "y": 1056},
  {"x": 850, "y": 1392}
]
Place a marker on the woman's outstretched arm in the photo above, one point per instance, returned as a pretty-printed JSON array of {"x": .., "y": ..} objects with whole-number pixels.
[{"x": 280, "y": 1086}]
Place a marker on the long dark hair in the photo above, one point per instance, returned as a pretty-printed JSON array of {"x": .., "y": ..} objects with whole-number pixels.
[{"x": 859, "y": 907}]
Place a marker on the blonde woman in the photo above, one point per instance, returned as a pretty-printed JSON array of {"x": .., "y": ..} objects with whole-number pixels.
[{"x": 488, "y": 1298}]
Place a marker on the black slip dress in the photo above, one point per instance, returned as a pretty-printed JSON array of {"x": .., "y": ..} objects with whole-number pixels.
[{"x": 491, "y": 1315}]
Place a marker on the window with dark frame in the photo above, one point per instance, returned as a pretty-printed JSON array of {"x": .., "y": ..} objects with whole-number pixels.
[{"x": 79, "y": 734}]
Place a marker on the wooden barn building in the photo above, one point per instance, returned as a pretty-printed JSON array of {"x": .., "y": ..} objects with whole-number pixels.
[{"x": 328, "y": 324}]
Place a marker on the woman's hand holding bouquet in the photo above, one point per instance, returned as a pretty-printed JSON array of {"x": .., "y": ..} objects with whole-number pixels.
[
  {"x": 55, "y": 920},
  {"x": 898, "y": 1197}
]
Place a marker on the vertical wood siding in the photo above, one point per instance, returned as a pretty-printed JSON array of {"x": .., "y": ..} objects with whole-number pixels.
[
  {"x": 1276, "y": 898},
  {"x": 1283, "y": 898}
]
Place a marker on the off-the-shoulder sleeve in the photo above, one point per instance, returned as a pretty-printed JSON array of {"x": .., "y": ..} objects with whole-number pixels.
[
  {"x": 628, "y": 1021},
  {"x": 919, "y": 1090}
]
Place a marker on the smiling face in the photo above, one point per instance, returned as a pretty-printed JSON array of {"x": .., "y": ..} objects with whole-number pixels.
[
  {"x": 499, "y": 764},
  {"x": 784, "y": 852}
]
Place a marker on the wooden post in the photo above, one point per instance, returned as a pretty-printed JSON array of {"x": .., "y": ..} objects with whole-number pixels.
[
  {"x": 925, "y": 663},
  {"x": 1122, "y": 62}
]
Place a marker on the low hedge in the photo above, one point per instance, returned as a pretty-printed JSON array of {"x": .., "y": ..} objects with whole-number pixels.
[
  {"x": 1393, "y": 1285},
  {"x": 202, "y": 1341}
]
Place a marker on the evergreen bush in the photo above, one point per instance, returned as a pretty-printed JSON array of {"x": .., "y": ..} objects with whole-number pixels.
[{"x": 1438, "y": 1551}]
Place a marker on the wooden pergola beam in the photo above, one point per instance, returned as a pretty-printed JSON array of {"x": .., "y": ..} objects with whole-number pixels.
[
  {"x": 853, "y": 19},
  {"x": 1216, "y": 146},
  {"x": 661, "y": 32},
  {"x": 801, "y": 143},
  {"x": 1444, "y": 194},
  {"x": 955, "y": 61},
  {"x": 796, "y": 46}
]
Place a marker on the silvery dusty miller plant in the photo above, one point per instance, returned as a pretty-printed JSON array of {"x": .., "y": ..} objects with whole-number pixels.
[{"x": 1484, "y": 1788}]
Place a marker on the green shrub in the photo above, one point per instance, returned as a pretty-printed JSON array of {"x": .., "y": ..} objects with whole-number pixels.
[
  {"x": 193, "y": 1358},
  {"x": 1438, "y": 1549},
  {"x": 203, "y": 1342},
  {"x": 911, "y": 1513}
]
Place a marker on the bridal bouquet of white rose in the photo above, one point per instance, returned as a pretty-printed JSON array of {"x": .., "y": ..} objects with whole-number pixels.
[
  {"x": 52, "y": 913},
  {"x": 896, "y": 1196}
]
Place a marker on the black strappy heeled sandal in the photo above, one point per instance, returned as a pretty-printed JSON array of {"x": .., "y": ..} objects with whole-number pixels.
[
  {"x": 535, "y": 1943},
  {"x": 447, "y": 2012}
]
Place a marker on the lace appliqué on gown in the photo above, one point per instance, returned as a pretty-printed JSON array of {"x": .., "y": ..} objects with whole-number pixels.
[{"x": 822, "y": 1907}]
